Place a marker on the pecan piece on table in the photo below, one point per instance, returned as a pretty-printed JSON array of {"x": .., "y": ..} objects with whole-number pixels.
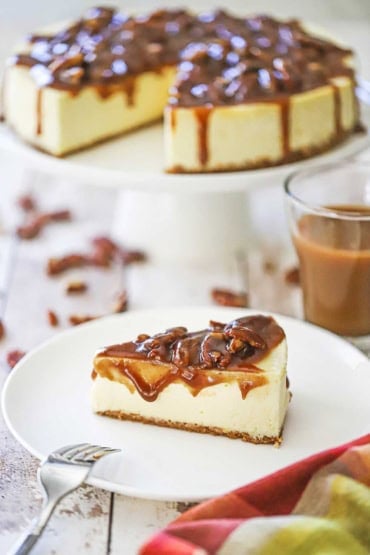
[
  {"x": 13, "y": 357},
  {"x": 52, "y": 318},
  {"x": 76, "y": 287},
  {"x": 121, "y": 304},
  {"x": 77, "y": 319},
  {"x": 27, "y": 203},
  {"x": 56, "y": 266},
  {"x": 227, "y": 297},
  {"x": 2, "y": 330},
  {"x": 34, "y": 227},
  {"x": 292, "y": 276}
]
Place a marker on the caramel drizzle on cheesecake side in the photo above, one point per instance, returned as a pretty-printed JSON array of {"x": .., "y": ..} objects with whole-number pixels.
[
  {"x": 197, "y": 359},
  {"x": 221, "y": 60}
]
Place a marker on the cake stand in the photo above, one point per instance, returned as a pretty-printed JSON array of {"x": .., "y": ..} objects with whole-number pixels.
[{"x": 199, "y": 218}]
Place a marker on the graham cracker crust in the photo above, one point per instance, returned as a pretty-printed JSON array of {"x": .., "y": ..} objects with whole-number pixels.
[{"x": 121, "y": 415}]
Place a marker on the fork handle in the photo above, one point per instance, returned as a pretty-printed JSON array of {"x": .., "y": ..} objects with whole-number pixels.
[
  {"x": 25, "y": 544},
  {"x": 30, "y": 537}
]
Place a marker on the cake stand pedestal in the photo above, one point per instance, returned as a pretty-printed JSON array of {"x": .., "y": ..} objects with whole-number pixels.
[{"x": 202, "y": 228}]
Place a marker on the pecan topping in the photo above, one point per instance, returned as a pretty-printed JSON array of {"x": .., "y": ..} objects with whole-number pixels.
[
  {"x": 213, "y": 350},
  {"x": 246, "y": 335},
  {"x": 223, "y": 59},
  {"x": 72, "y": 75},
  {"x": 216, "y": 325},
  {"x": 237, "y": 345},
  {"x": 142, "y": 337},
  {"x": 66, "y": 62}
]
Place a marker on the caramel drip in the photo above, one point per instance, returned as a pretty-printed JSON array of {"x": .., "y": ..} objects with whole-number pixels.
[
  {"x": 337, "y": 109},
  {"x": 202, "y": 115},
  {"x": 358, "y": 126},
  {"x": 105, "y": 49},
  {"x": 129, "y": 86},
  {"x": 285, "y": 120},
  {"x": 222, "y": 353},
  {"x": 173, "y": 120},
  {"x": 194, "y": 379},
  {"x": 246, "y": 386},
  {"x": 39, "y": 111}
]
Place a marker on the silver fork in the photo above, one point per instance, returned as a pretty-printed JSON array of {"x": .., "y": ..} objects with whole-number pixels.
[{"x": 60, "y": 473}]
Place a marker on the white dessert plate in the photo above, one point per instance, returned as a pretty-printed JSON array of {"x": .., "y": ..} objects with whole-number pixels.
[
  {"x": 46, "y": 405},
  {"x": 135, "y": 161}
]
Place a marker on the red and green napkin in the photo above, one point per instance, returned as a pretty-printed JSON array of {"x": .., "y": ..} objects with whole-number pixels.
[{"x": 320, "y": 505}]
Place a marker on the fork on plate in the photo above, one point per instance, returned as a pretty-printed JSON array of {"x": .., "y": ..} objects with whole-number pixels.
[{"x": 63, "y": 471}]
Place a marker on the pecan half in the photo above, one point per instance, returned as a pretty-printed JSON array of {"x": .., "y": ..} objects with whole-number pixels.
[
  {"x": 27, "y": 203},
  {"x": 292, "y": 276},
  {"x": 13, "y": 357},
  {"x": 226, "y": 297},
  {"x": 247, "y": 335},
  {"x": 76, "y": 319},
  {"x": 121, "y": 302},
  {"x": 130, "y": 257},
  {"x": 213, "y": 350},
  {"x": 33, "y": 228},
  {"x": 2, "y": 330},
  {"x": 56, "y": 266},
  {"x": 76, "y": 287},
  {"x": 52, "y": 318}
]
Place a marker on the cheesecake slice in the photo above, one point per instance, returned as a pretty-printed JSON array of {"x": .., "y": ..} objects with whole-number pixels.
[
  {"x": 229, "y": 379},
  {"x": 236, "y": 92}
]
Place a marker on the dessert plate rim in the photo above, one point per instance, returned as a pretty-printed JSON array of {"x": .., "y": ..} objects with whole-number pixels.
[{"x": 45, "y": 406}]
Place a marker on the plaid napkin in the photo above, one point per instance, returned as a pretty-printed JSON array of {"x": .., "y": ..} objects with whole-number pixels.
[{"x": 320, "y": 505}]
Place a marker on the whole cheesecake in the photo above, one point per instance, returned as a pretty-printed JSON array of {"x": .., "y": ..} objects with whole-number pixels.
[
  {"x": 236, "y": 92},
  {"x": 229, "y": 379}
]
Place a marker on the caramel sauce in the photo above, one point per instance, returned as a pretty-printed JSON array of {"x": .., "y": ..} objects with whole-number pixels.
[
  {"x": 202, "y": 114},
  {"x": 39, "y": 111},
  {"x": 221, "y": 353},
  {"x": 224, "y": 59},
  {"x": 173, "y": 119},
  {"x": 334, "y": 259},
  {"x": 337, "y": 110},
  {"x": 285, "y": 120},
  {"x": 246, "y": 386}
]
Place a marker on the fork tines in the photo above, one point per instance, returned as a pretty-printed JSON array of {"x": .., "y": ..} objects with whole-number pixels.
[{"x": 81, "y": 453}]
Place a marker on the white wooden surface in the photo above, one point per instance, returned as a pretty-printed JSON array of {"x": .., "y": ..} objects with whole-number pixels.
[{"x": 93, "y": 521}]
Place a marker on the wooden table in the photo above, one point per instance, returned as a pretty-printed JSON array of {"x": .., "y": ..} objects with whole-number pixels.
[{"x": 90, "y": 520}]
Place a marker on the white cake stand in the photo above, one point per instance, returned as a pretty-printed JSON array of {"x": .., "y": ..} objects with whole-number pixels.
[{"x": 202, "y": 218}]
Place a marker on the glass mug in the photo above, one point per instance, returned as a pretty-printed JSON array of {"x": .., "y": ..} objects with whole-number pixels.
[{"x": 329, "y": 216}]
